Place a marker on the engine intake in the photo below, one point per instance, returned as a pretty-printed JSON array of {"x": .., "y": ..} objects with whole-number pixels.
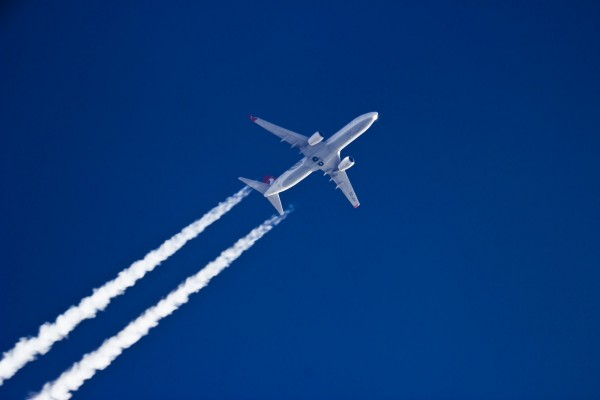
[
  {"x": 316, "y": 138},
  {"x": 346, "y": 163}
]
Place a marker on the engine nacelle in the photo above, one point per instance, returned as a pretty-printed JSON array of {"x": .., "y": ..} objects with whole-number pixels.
[
  {"x": 316, "y": 138},
  {"x": 346, "y": 163}
]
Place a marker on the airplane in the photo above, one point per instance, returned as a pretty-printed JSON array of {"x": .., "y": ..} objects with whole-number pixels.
[{"x": 318, "y": 154}]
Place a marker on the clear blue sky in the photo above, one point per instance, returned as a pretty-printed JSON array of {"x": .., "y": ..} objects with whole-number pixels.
[{"x": 471, "y": 269}]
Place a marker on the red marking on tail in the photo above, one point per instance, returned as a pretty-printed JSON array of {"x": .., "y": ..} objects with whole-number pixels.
[
  {"x": 269, "y": 179},
  {"x": 253, "y": 118}
]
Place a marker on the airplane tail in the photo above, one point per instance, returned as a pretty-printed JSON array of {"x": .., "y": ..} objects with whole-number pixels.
[{"x": 262, "y": 188}]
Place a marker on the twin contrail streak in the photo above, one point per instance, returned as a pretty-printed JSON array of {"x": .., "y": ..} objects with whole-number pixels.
[
  {"x": 27, "y": 348},
  {"x": 101, "y": 358}
]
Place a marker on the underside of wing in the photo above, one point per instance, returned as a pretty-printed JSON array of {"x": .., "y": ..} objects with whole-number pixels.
[
  {"x": 293, "y": 138},
  {"x": 342, "y": 182}
]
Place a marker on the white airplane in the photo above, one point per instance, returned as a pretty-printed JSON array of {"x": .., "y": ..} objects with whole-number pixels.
[{"x": 318, "y": 154}]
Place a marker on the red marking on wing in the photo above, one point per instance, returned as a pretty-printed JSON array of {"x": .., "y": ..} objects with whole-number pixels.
[{"x": 356, "y": 206}]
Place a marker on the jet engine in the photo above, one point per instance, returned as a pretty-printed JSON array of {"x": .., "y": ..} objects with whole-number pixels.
[
  {"x": 316, "y": 138},
  {"x": 346, "y": 163}
]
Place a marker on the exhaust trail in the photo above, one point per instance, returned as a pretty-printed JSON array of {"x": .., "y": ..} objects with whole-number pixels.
[
  {"x": 70, "y": 380},
  {"x": 27, "y": 348}
]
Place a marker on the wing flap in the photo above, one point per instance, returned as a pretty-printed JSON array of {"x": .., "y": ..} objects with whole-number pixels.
[
  {"x": 343, "y": 183},
  {"x": 293, "y": 138}
]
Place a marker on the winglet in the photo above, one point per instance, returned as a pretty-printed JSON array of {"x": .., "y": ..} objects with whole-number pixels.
[{"x": 253, "y": 118}]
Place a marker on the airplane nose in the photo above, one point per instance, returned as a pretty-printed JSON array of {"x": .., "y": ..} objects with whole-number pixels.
[{"x": 374, "y": 115}]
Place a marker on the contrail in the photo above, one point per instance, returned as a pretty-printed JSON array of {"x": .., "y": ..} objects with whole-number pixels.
[
  {"x": 27, "y": 348},
  {"x": 101, "y": 358}
]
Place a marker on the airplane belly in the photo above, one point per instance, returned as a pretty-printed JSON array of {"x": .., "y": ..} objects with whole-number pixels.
[
  {"x": 352, "y": 131},
  {"x": 295, "y": 176}
]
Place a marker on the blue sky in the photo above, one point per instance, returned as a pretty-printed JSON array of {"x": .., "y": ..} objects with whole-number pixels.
[{"x": 469, "y": 271}]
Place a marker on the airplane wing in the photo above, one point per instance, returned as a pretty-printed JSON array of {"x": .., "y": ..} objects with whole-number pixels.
[
  {"x": 293, "y": 138},
  {"x": 342, "y": 182}
]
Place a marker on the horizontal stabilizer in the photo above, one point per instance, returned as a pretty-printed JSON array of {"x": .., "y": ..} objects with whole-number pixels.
[
  {"x": 262, "y": 188},
  {"x": 276, "y": 201},
  {"x": 256, "y": 185}
]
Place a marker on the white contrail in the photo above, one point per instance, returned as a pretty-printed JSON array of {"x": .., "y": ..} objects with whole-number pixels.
[
  {"x": 70, "y": 380},
  {"x": 27, "y": 348}
]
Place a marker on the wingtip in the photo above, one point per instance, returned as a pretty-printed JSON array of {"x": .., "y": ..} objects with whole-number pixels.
[
  {"x": 356, "y": 206},
  {"x": 253, "y": 118}
]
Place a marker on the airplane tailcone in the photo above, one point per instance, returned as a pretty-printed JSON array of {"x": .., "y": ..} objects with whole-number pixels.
[{"x": 262, "y": 187}]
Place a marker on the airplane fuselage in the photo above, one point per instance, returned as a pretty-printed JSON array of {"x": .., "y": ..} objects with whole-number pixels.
[{"x": 324, "y": 155}]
